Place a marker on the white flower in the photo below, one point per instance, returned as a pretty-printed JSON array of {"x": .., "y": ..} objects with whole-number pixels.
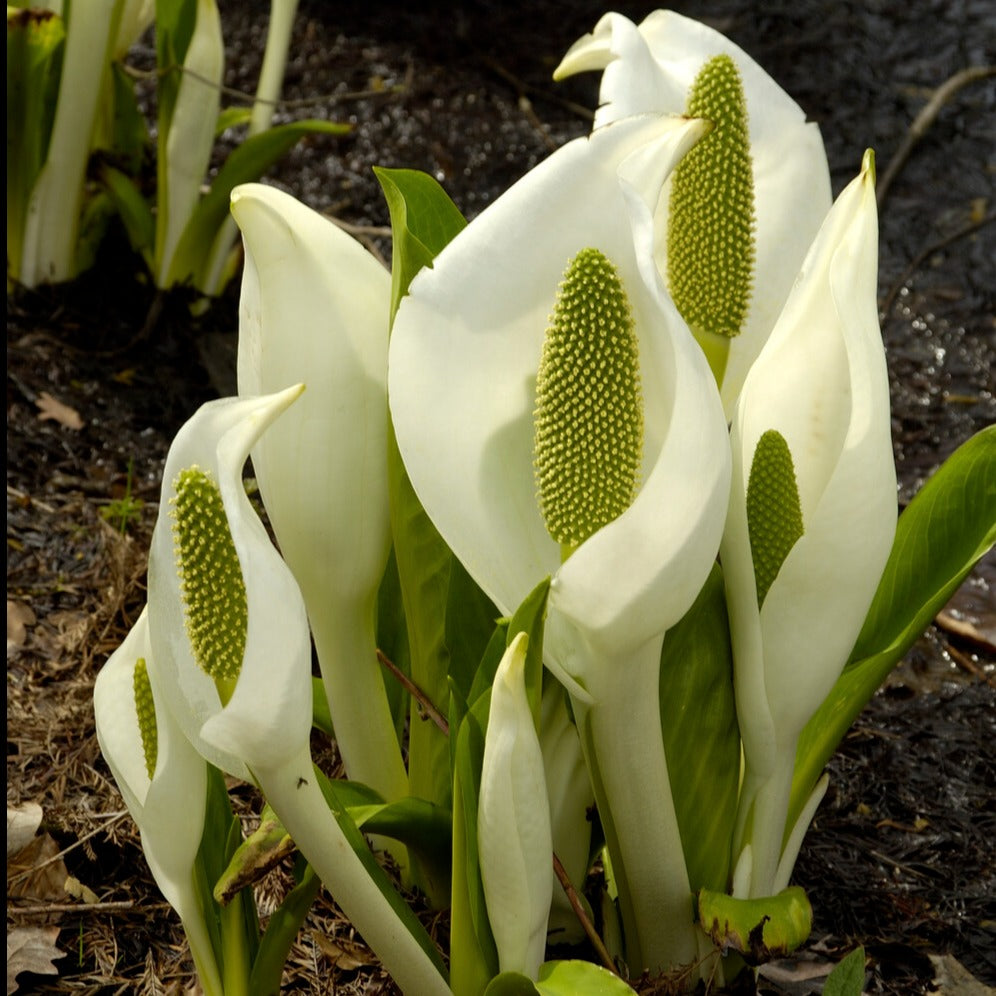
[
  {"x": 652, "y": 67},
  {"x": 464, "y": 358},
  {"x": 813, "y": 505},
  {"x": 315, "y": 310},
  {"x": 223, "y": 606},
  {"x": 484, "y": 385},
  {"x": 136, "y": 732}
]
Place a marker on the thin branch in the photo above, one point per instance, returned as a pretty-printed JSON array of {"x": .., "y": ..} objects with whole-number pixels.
[
  {"x": 579, "y": 911},
  {"x": 923, "y": 121},
  {"x": 927, "y": 253},
  {"x": 415, "y": 692}
]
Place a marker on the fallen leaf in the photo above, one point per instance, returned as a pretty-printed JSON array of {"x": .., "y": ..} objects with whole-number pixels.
[
  {"x": 75, "y": 888},
  {"x": 49, "y": 407},
  {"x": 22, "y": 823},
  {"x": 31, "y": 949},
  {"x": 19, "y": 617},
  {"x": 36, "y": 872},
  {"x": 344, "y": 954},
  {"x": 951, "y": 978}
]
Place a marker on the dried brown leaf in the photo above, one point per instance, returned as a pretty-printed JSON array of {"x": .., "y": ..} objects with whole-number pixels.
[
  {"x": 31, "y": 949},
  {"x": 19, "y": 617},
  {"x": 22, "y": 824}
]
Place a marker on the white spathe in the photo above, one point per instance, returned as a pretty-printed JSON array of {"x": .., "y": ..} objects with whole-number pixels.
[
  {"x": 650, "y": 68},
  {"x": 267, "y": 720},
  {"x": 169, "y": 808},
  {"x": 464, "y": 356},
  {"x": 315, "y": 309},
  {"x": 821, "y": 382}
]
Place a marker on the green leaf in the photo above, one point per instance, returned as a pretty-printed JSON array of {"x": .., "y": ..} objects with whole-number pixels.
[
  {"x": 530, "y": 618},
  {"x": 944, "y": 531},
  {"x": 131, "y": 131},
  {"x": 425, "y": 829},
  {"x": 331, "y": 790},
  {"x": 511, "y": 984},
  {"x": 423, "y": 221},
  {"x": 473, "y": 955},
  {"x": 232, "y": 117},
  {"x": 246, "y": 163},
  {"x": 35, "y": 45},
  {"x": 701, "y": 735},
  {"x": 281, "y": 929},
  {"x": 564, "y": 978},
  {"x": 759, "y": 929},
  {"x": 133, "y": 209},
  {"x": 848, "y": 976}
]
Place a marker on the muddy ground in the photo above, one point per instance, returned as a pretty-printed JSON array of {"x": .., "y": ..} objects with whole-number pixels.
[{"x": 900, "y": 855}]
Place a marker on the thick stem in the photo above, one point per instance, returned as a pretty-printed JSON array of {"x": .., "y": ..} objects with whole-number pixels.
[
  {"x": 766, "y": 829},
  {"x": 624, "y": 748},
  {"x": 346, "y": 641},
  {"x": 293, "y": 792},
  {"x": 199, "y": 941}
]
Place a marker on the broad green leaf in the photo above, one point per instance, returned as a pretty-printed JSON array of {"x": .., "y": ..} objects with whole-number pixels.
[
  {"x": 373, "y": 868},
  {"x": 470, "y": 621},
  {"x": 425, "y": 829},
  {"x": 423, "y": 221},
  {"x": 246, "y": 163},
  {"x": 701, "y": 736},
  {"x": 848, "y": 976},
  {"x": 759, "y": 929},
  {"x": 584, "y": 978},
  {"x": 944, "y": 531}
]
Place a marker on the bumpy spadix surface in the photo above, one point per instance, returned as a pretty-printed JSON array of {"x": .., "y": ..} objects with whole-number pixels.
[
  {"x": 589, "y": 410},
  {"x": 710, "y": 248},
  {"x": 145, "y": 711},
  {"x": 774, "y": 514},
  {"x": 212, "y": 589}
]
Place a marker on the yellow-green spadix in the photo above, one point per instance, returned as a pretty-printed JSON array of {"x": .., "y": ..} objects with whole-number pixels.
[
  {"x": 653, "y": 67},
  {"x": 465, "y": 355}
]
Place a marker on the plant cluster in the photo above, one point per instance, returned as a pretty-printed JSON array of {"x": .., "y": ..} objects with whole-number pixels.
[
  {"x": 78, "y": 142},
  {"x": 606, "y": 474}
]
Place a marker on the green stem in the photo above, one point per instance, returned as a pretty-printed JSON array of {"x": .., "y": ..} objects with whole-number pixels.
[
  {"x": 624, "y": 747},
  {"x": 293, "y": 792},
  {"x": 199, "y": 941},
  {"x": 346, "y": 641},
  {"x": 235, "y": 956}
]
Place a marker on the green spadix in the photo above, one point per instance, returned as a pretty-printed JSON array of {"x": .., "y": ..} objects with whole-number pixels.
[
  {"x": 212, "y": 588},
  {"x": 710, "y": 238},
  {"x": 588, "y": 419}
]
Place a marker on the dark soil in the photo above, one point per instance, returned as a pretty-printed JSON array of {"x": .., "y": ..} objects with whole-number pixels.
[{"x": 900, "y": 856}]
